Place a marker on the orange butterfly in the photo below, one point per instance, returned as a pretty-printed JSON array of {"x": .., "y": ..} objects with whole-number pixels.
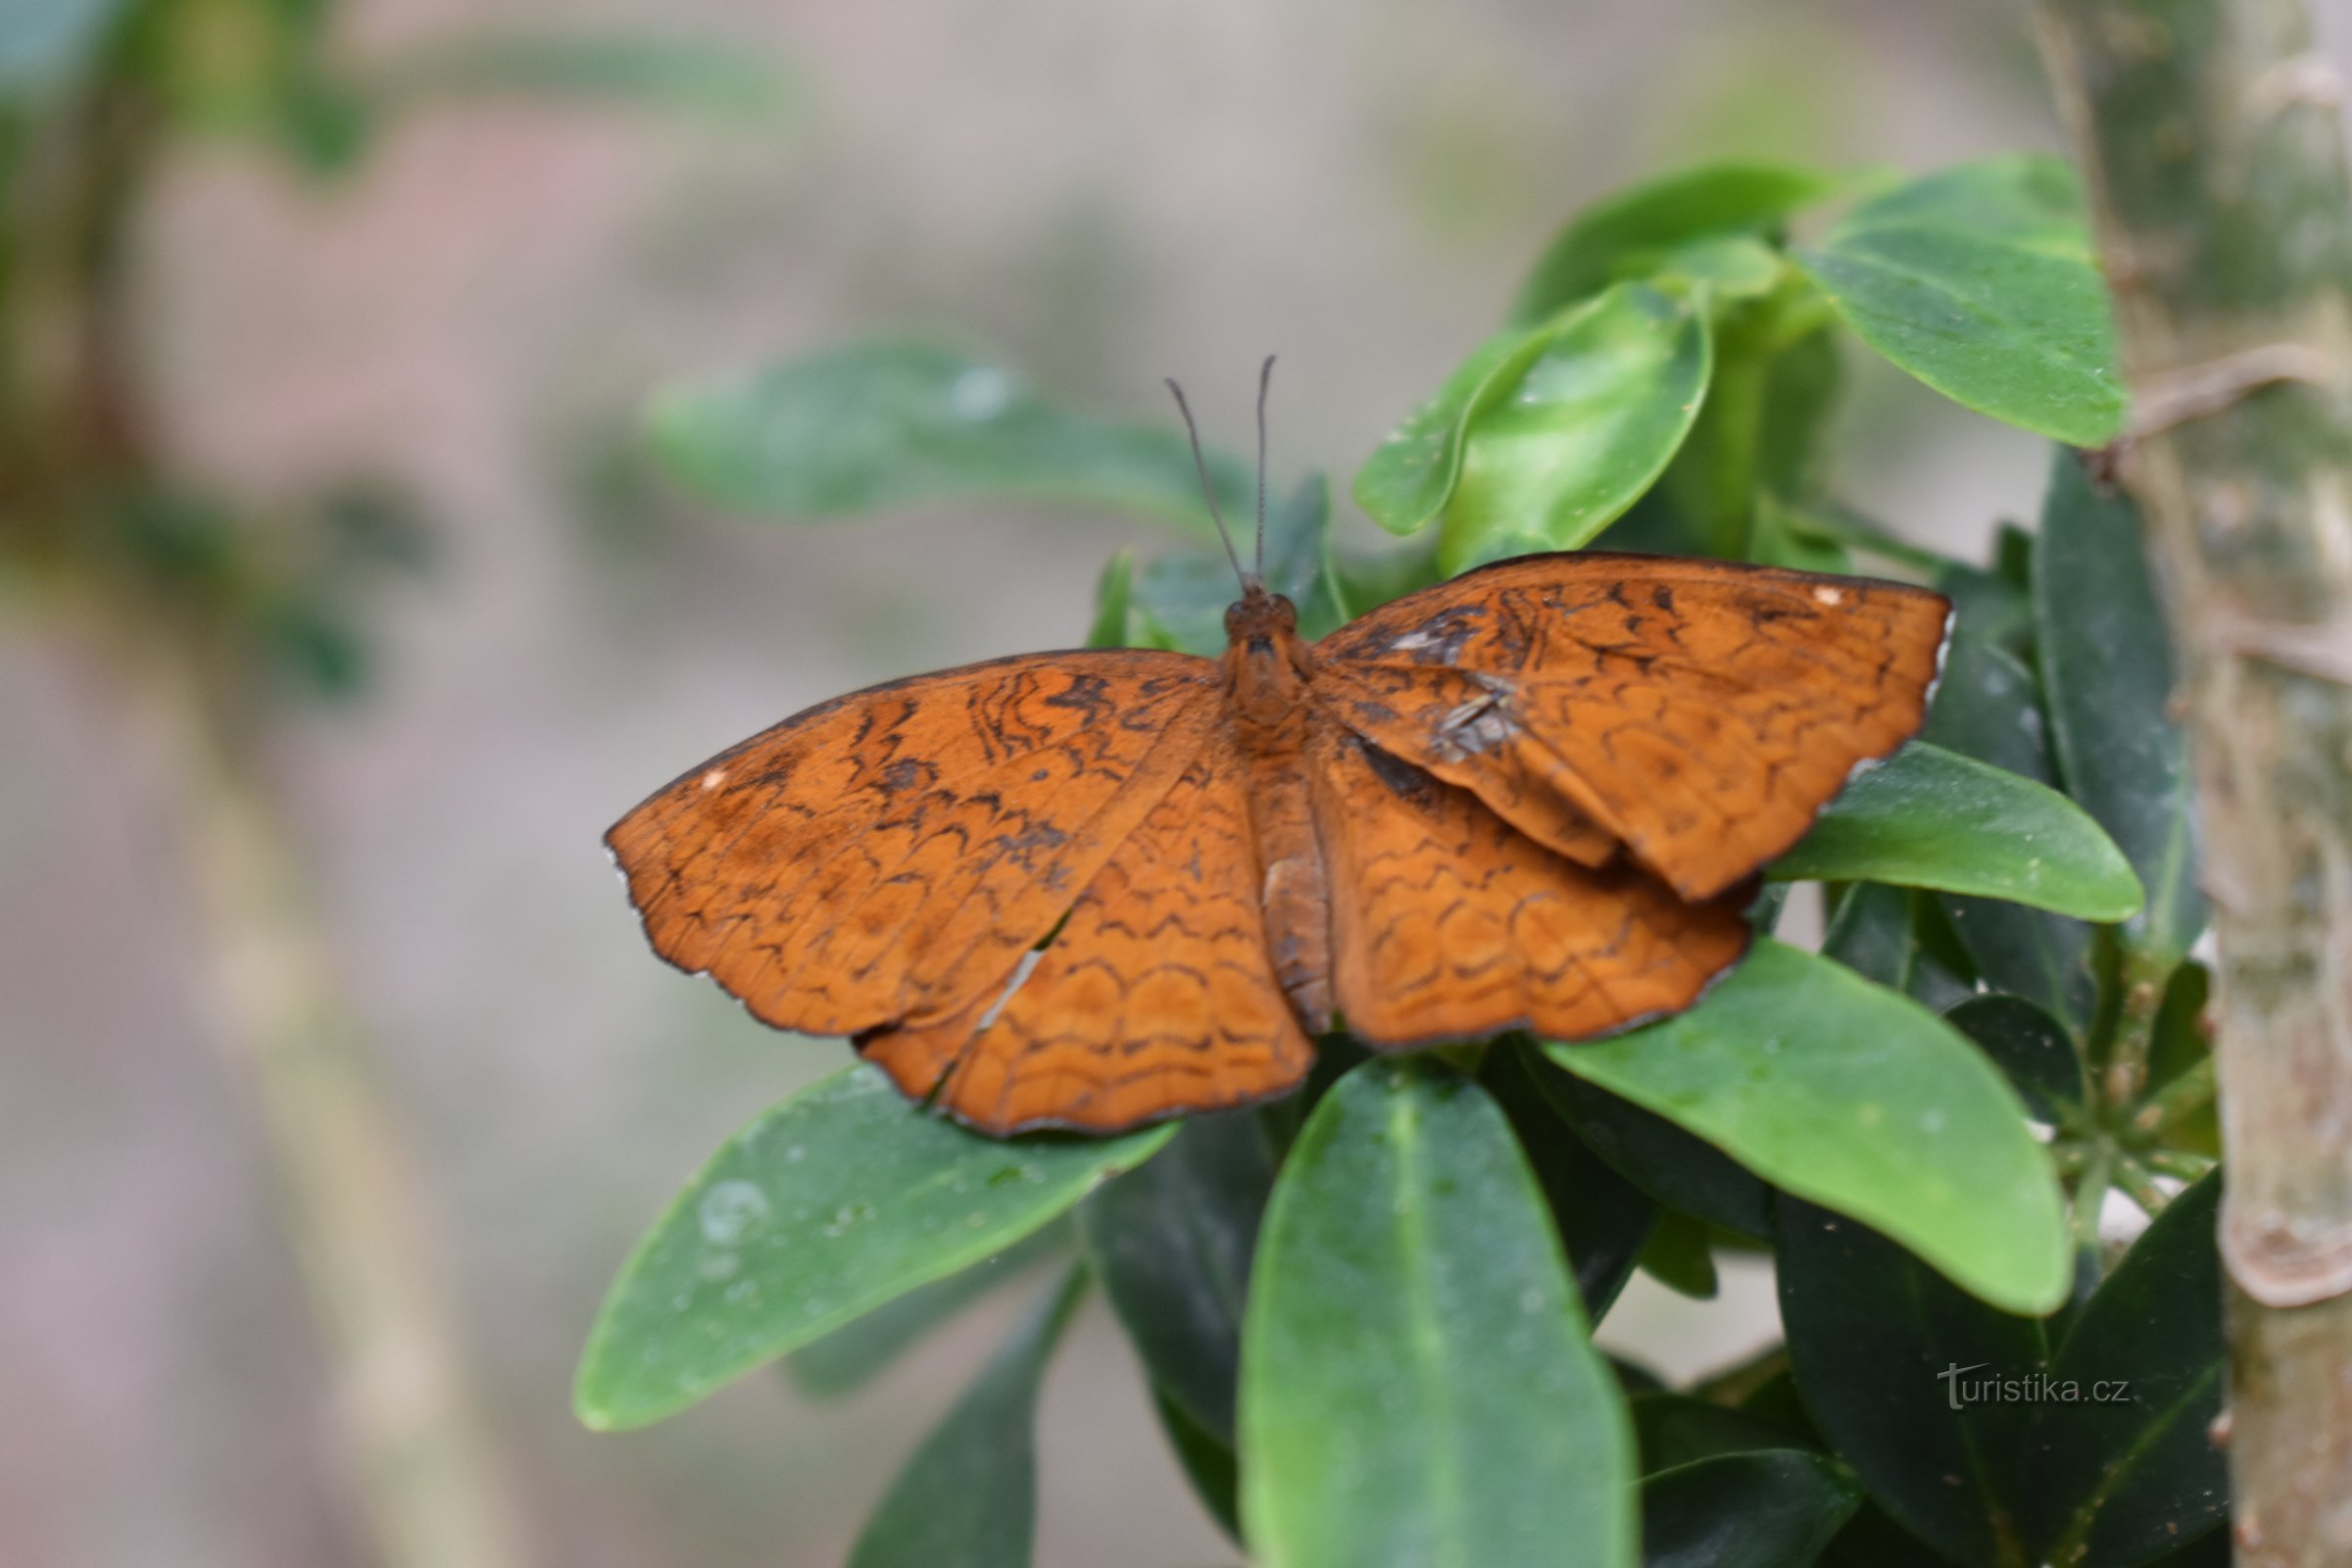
[{"x": 1098, "y": 888}]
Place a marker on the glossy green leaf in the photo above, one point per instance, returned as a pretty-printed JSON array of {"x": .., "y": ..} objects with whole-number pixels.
[
  {"x": 1990, "y": 708},
  {"x": 968, "y": 1498},
  {"x": 1207, "y": 1463},
  {"x": 1887, "y": 935},
  {"x": 1179, "y": 600},
  {"x": 1889, "y": 1358},
  {"x": 869, "y": 425},
  {"x": 1678, "y": 1429},
  {"x": 1573, "y": 426},
  {"x": 1416, "y": 1382},
  {"x": 2031, "y": 1048},
  {"x": 846, "y": 1358},
  {"x": 651, "y": 69},
  {"x": 1770, "y": 1508},
  {"x": 833, "y": 1202},
  {"x": 1860, "y": 1100},
  {"x": 1980, "y": 281},
  {"x": 1637, "y": 229},
  {"x": 1681, "y": 1171},
  {"x": 1603, "y": 1218},
  {"x": 1931, "y": 818},
  {"x": 1681, "y": 1255},
  {"x": 2107, "y": 667},
  {"x": 2123, "y": 1471},
  {"x": 1171, "y": 1243},
  {"x": 1410, "y": 475}
]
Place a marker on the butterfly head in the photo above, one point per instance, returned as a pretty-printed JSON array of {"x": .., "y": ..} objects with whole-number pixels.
[{"x": 1259, "y": 616}]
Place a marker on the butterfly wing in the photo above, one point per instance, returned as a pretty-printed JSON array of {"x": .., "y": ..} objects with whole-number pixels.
[
  {"x": 893, "y": 854},
  {"x": 1700, "y": 713},
  {"x": 1156, "y": 997},
  {"x": 1449, "y": 924}
]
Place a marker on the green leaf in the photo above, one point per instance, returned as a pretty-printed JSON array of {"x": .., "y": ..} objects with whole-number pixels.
[
  {"x": 2031, "y": 1049},
  {"x": 1885, "y": 1353},
  {"x": 1603, "y": 1218},
  {"x": 1683, "y": 1172},
  {"x": 1575, "y": 426},
  {"x": 649, "y": 70},
  {"x": 1980, "y": 281},
  {"x": 1988, "y": 707},
  {"x": 846, "y": 1358},
  {"x": 1633, "y": 230},
  {"x": 1113, "y": 593},
  {"x": 968, "y": 1498},
  {"x": 1171, "y": 1243},
  {"x": 1416, "y": 1382},
  {"x": 1681, "y": 1256},
  {"x": 833, "y": 1202},
  {"x": 1772, "y": 1508},
  {"x": 1410, "y": 475},
  {"x": 871, "y": 425},
  {"x": 1884, "y": 934},
  {"x": 1208, "y": 1464},
  {"x": 1931, "y": 818},
  {"x": 2116, "y": 1482},
  {"x": 2107, "y": 667},
  {"x": 1676, "y": 1428},
  {"x": 1179, "y": 600},
  {"x": 1858, "y": 1099}
]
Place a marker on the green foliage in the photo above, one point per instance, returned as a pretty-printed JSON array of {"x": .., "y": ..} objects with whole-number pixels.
[{"x": 1370, "y": 1343}]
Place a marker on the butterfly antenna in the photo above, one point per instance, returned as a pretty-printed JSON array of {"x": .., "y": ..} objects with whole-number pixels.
[
  {"x": 1208, "y": 490},
  {"x": 1266, "y": 379}
]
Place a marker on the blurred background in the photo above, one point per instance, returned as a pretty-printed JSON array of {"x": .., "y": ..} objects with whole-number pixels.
[{"x": 462, "y": 299}]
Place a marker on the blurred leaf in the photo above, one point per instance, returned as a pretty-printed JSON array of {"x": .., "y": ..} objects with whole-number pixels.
[
  {"x": 1416, "y": 1382},
  {"x": 1208, "y": 1464},
  {"x": 1880, "y": 933},
  {"x": 833, "y": 1202},
  {"x": 2114, "y": 1483},
  {"x": 2107, "y": 664},
  {"x": 1677, "y": 1169},
  {"x": 968, "y": 1498},
  {"x": 1988, "y": 607},
  {"x": 1171, "y": 1242},
  {"x": 871, "y": 425},
  {"x": 1363, "y": 580},
  {"x": 1603, "y": 1218},
  {"x": 1113, "y": 599},
  {"x": 2031, "y": 1049},
  {"x": 1988, "y": 707},
  {"x": 1575, "y": 426},
  {"x": 1859, "y": 1099},
  {"x": 1980, "y": 281},
  {"x": 846, "y": 1358},
  {"x": 1931, "y": 818},
  {"x": 1406, "y": 479},
  {"x": 1633, "y": 230},
  {"x": 1803, "y": 384},
  {"x": 658, "y": 72},
  {"x": 1882, "y": 1350},
  {"x": 1675, "y": 1429},
  {"x": 1677, "y": 1255},
  {"x": 1179, "y": 600},
  {"x": 1772, "y": 1508}
]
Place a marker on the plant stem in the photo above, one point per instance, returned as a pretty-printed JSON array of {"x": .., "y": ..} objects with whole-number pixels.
[
  {"x": 2175, "y": 1102},
  {"x": 2140, "y": 1183},
  {"x": 2209, "y": 138}
]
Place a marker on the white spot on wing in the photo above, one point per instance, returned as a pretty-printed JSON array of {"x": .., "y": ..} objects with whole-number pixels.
[
  {"x": 714, "y": 778},
  {"x": 1828, "y": 595}
]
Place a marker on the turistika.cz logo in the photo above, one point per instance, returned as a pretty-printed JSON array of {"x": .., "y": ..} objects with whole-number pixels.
[{"x": 2036, "y": 1388}]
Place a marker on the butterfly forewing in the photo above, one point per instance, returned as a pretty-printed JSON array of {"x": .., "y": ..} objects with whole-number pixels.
[{"x": 1700, "y": 712}]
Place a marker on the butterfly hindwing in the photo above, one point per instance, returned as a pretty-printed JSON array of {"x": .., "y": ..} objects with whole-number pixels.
[
  {"x": 896, "y": 851},
  {"x": 1700, "y": 713}
]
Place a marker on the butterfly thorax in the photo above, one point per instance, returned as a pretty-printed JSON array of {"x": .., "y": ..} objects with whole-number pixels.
[{"x": 1266, "y": 670}]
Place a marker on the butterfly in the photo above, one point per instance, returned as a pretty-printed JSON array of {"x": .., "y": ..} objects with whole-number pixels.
[{"x": 1098, "y": 888}]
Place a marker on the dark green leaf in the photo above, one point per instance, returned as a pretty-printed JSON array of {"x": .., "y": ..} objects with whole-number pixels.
[
  {"x": 1931, "y": 818},
  {"x": 1363, "y": 580},
  {"x": 2029, "y": 1046},
  {"x": 1988, "y": 607},
  {"x": 1873, "y": 1540},
  {"x": 1575, "y": 426},
  {"x": 1859, "y": 1099},
  {"x": 1887, "y": 1355},
  {"x": 1208, "y": 1464},
  {"x": 1602, "y": 1217},
  {"x": 1774, "y": 1508},
  {"x": 1633, "y": 230},
  {"x": 1980, "y": 280},
  {"x": 1416, "y": 1382},
  {"x": 1679, "y": 1256},
  {"x": 844, "y": 1359},
  {"x": 836, "y": 1201},
  {"x": 1113, "y": 593},
  {"x": 1679, "y": 1170},
  {"x": 1171, "y": 1243},
  {"x": 1802, "y": 388},
  {"x": 1988, "y": 707},
  {"x": 2107, "y": 663},
  {"x": 2119, "y": 1469},
  {"x": 1675, "y": 1429},
  {"x": 1884, "y": 934},
  {"x": 871, "y": 425},
  {"x": 968, "y": 1498}
]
